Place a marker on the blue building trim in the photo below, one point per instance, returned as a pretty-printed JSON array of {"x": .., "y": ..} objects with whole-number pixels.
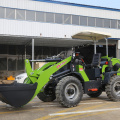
[
  {"x": 113, "y": 38},
  {"x": 79, "y": 5}
]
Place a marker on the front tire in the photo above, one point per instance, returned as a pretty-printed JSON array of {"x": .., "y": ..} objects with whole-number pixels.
[
  {"x": 69, "y": 91},
  {"x": 48, "y": 94},
  {"x": 113, "y": 88},
  {"x": 45, "y": 97}
]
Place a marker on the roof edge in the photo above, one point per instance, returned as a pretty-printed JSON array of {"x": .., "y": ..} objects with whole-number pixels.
[{"x": 79, "y": 5}]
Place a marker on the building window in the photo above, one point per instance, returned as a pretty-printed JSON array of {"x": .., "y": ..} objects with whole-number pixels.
[
  {"x": 75, "y": 20},
  {"x": 46, "y": 52},
  {"x": 10, "y": 13},
  {"x": 50, "y": 17},
  {"x": 58, "y": 18},
  {"x": 91, "y": 21},
  {"x": 118, "y": 24},
  {"x": 12, "y": 50},
  {"x": 30, "y": 15},
  {"x": 99, "y": 22},
  {"x": 106, "y": 23},
  {"x": 67, "y": 19},
  {"x": 3, "y": 63},
  {"x": 12, "y": 64},
  {"x": 20, "y": 50},
  {"x": 83, "y": 20},
  {"x": 53, "y": 51},
  {"x": 3, "y": 49},
  {"x": 20, "y": 64},
  {"x": 20, "y": 14},
  {"x": 113, "y": 23},
  {"x": 2, "y": 12},
  {"x": 40, "y": 16}
]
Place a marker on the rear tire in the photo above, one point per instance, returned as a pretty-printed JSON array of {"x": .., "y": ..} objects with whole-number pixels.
[
  {"x": 69, "y": 91},
  {"x": 95, "y": 94},
  {"x": 113, "y": 88}
]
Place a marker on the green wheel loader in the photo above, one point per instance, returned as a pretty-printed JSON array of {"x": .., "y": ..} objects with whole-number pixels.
[{"x": 67, "y": 79}]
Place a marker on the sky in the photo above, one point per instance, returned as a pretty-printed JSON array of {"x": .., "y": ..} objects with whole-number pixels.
[{"x": 102, "y": 3}]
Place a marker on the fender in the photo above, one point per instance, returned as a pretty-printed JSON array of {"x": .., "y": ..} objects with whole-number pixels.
[
  {"x": 78, "y": 75},
  {"x": 108, "y": 75}
]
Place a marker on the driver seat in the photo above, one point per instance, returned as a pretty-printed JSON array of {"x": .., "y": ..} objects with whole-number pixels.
[{"x": 95, "y": 61}]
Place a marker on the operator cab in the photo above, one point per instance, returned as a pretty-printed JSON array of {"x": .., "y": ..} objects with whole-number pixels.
[
  {"x": 94, "y": 69},
  {"x": 95, "y": 61}
]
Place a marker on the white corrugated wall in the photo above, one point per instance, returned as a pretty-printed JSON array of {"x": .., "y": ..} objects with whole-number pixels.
[{"x": 17, "y": 27}]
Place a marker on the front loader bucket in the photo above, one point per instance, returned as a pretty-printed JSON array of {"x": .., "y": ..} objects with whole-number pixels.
[{"x": 17, "y": 94}]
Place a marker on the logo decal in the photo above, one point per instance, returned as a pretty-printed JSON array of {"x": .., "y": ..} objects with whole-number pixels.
[{"x": 58, "y": 66}]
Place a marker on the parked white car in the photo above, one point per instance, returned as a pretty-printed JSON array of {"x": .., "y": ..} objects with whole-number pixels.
[{"x": 21, "y": 77}]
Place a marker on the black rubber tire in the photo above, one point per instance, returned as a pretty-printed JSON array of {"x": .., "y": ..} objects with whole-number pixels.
[
  {"x": 46, "y": 98},
  {"x": 109, "y": 88},
  {"x": 62, "y": 87},
  {"x": 95, "y": 94}
]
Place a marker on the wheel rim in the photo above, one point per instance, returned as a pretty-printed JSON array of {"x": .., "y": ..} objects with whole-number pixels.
[
  {"x": 71, "y": 91},
  {"x": 116, "y": 88}
]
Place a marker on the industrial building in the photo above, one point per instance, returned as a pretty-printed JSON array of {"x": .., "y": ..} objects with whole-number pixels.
[{"x": 36, "y": 29}]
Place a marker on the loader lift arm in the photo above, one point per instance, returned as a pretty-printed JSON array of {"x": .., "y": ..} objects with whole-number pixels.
[{"x": 18, "y": 95}]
